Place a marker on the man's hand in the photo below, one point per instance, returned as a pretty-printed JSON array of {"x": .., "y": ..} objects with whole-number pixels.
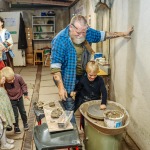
[
  {"x": 129, "y": 32},
  {"x": 62, "y": 93}
]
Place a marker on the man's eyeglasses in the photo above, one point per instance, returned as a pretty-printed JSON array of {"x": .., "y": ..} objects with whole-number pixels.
[{"x": 79, "y": 33}]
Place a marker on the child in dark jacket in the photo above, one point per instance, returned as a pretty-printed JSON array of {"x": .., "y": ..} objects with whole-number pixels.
[
  {"x": 90, "y": 87},
  {"x": 16, "y": 88}
]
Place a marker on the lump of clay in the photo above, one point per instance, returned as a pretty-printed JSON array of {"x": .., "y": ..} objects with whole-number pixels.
[
  {"x": 51, "y": 104},
  {"x": 56, "y": 113},
  {"x": 39, "y": 105}
]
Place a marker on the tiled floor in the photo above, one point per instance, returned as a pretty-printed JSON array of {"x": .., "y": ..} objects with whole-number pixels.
[{"x": 47, "y": 92}]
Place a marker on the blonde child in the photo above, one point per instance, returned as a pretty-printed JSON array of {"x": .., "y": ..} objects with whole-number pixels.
[
  {"x": 16, "y": 88},
  {"x": 6, "y": 114},
  {"x": 91, "y": 87}
]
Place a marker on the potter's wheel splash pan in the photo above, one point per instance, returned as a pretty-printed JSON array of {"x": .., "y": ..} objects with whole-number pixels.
[{"x": 99, "y": 124}]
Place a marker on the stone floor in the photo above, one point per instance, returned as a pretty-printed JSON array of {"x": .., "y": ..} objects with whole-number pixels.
[{"x": 41, "y": 88}]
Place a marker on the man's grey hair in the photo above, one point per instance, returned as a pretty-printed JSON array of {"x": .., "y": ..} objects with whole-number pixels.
[{"x": 79, "y": 18}]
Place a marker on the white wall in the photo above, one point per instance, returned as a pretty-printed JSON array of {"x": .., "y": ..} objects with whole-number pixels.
[
  {"x": 130, "y": 66},
  {"x": 130, "y": 71}
]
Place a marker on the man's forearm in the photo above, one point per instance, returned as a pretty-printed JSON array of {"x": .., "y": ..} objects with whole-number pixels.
[
  {"x": 61, "y": 90},
  {"x": 111, "y": 35},
  {"x": 58, "y": 80}
]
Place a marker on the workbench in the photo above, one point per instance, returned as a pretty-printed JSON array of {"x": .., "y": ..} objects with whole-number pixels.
[{"x": 63, "y": 139}]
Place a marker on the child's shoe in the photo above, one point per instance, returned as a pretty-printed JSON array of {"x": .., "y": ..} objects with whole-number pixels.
[
  {"x": 17, "y": 130},
  {"x": 9, "y": 128},
  {"x": 26, "y": 127}
]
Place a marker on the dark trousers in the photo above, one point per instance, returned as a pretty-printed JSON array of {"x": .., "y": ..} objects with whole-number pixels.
[{"x": 19, "y": 105}]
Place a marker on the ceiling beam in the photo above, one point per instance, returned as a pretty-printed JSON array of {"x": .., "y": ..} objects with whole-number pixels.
[
  {"x": 44, "y": 2},
  {"x": 73, "y": 3}
]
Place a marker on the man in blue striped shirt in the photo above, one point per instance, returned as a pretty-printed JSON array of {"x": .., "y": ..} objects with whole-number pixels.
[{"x": 67, "y": 51}]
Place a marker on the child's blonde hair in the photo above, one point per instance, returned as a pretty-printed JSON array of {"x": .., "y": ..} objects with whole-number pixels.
[
  {"x": 8, "y": 72},
  {"x": 92, "y": 66}
]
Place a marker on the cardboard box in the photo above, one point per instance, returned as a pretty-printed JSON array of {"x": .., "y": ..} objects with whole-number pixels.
[
  {"x": 29, "y": 36},
  {"x": 29, "y": 50},
  {"x": 29, "y": 61},
  {"x": 29, "y": 42},
  {"x": 29, "y": 56},
  {"x": 28, "y": 30}
]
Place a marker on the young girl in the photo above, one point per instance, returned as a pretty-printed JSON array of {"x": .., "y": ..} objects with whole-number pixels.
[{"x": 6, "y": 112}]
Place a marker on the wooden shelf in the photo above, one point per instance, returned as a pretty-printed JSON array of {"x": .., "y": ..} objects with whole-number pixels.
[{"x": 43, "y": 30}]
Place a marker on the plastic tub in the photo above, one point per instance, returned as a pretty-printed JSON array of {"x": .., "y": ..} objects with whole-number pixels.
[{"x": 113, "y": 118}]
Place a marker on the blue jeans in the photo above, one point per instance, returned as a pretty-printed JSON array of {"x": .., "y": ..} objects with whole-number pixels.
[{"x": 69, "y": 105}]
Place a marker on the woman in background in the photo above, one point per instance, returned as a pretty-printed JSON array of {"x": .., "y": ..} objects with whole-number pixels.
[{"x": 6, "y": 44}]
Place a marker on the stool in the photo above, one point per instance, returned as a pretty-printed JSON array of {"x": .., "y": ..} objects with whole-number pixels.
[{"x": 36, "y": 58}]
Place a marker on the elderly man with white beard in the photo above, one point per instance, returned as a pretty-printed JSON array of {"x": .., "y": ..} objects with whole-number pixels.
[{"x": 70, "y": 48}]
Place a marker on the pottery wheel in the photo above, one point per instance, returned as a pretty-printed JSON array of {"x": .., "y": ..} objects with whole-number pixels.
[{"x": 95, "y": 112}]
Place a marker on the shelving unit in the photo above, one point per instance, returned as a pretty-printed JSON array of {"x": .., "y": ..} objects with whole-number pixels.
[
  {"x": 43, "y": 32},
  {"x": 43, "y": 28}
]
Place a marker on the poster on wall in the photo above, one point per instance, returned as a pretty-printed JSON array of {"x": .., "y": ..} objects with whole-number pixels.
[{"x": 9, "y": 22}]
